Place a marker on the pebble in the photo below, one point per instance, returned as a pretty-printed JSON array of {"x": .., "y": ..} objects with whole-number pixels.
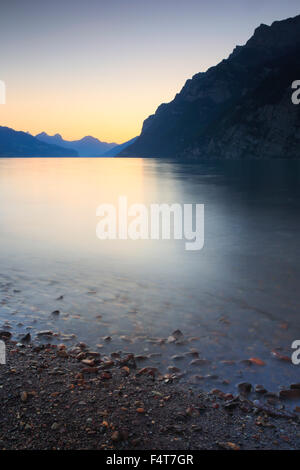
[
  {"x": 5, "y": 334},
  {"x": 199, "y": 362},
  {"x": 115, "y": 436},
  {"x": 26, "y": 338},
  {"x": 24, "y": 396},
  {"x": 244, "y": 388},
  {"x": 260, "y": 389},
  {"x": 140, "y": 410}
]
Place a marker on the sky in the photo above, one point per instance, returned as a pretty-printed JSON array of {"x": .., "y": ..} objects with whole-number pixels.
[{"x": 100, "y": 67}]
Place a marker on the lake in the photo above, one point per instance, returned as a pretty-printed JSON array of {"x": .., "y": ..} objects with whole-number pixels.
[{"x": 236, "y": 299}]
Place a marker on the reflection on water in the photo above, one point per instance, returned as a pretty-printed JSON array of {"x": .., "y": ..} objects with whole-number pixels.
[{"x": 236, "y": 299}]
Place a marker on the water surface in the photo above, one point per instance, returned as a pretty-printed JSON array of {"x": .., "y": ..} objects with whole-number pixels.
[{"x": 237, "y": 298}]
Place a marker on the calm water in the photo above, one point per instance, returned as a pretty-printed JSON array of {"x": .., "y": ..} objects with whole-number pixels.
[{"x": 237, "y": 298}]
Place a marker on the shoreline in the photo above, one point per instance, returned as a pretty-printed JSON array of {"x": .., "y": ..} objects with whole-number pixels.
[{"x": 58, "y": 398}]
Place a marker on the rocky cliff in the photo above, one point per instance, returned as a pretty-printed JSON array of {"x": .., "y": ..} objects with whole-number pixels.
[{"x": 241, "y": 108}]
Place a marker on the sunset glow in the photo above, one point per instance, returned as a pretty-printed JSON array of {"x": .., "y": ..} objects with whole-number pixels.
[{"x": 101, "y": 69}]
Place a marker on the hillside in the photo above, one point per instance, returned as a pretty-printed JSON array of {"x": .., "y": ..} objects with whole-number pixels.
[
  {"x": 21, "y": 144},
  {"x": 240, "y": 108}
]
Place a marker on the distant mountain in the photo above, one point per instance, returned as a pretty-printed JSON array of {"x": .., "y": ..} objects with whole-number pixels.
[
  {"x": 86, "y": 147},
  {"x": 240, "y": 108},
  {"x": 118, "y": 148},
  {"x": 21, "y": 144}
]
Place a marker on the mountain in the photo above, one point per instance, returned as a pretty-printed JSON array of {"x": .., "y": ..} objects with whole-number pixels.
[
  {"x": 21, "y": 144},
  {"x": 86, "y": 147},
  {"x": 118, "y": 148},
  {"x": 241, "y": 108}
]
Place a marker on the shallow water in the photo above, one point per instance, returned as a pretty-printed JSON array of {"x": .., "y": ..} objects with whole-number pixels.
[{"x": 237, "y": 298}]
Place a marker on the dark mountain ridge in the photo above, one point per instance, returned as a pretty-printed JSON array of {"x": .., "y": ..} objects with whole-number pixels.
[
  {"x": 88, "y": 146},
  {"x": 20, "y": 144},
  {"x": 240, "y": 108},
  {"x": 118, "y": 148}
]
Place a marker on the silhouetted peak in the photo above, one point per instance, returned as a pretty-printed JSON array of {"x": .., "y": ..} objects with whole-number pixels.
[{"x": 90, "y": 139}]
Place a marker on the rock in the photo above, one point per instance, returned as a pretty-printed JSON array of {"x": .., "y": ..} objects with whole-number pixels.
[
  {"x": 216, "y": 391},
  {"x": 147, "y": 371},
  {"x": 272, "y": 411},
  {"x": 81, "y": 355},
  {"x": 24, "y": 396},
  {"x": 231, "y": 405},
  {"x": 177, "y": 334},
  {"x": 55, "y": 426},
  {"x": 192, "y": 352},
  {"x": 55, "y": 312},
  {"x": 227, "y": 396},
  {"x": 295, "y": 386},
  {"x": 244, "y": 388},
  {"x": 107, "y": 338},
  {"x": 62, "y": 353},
  {"x": 115, "y": 436},
  {"x": 228, "y": 445},
  {"x": 135, "y": 442},
  {"x": 177, "y": 358},
  {"x": 260, "y": 389},
  {"x": 115, "y": 355},
  {"x": 5, "y": 334},
  {"x": 105, "y": 375},
  {"x": 171, "y": 339},
  {"x": 289, "y": 394},
  {"x": 26, "y": 338},
  {"x": 45, "y": 333},
  {"x": 199, "y": 362},
  {"x": 263, "y": 422},
  {"x": 107, "y": 364},
  {"x": 94, "y": 354},
  {"x": 128, "y": 361},
  {"x": 60, "y": 297},
  {"x": 257, "y": 361},
  {"x": 141, "y": 358},
  {"x": 90, "y": 370},
  {"x": 189, "y": 411},
  {"x": 88, "y": 362},
  {"x": 140, "y": 410},
  {"x": 173, "y": 369},
  {"x": 281, "y": 357}
]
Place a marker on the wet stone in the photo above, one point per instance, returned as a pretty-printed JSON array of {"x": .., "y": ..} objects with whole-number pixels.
[{"x": 244, "y": 388}]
